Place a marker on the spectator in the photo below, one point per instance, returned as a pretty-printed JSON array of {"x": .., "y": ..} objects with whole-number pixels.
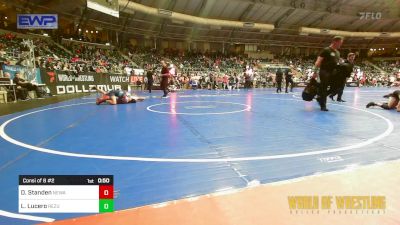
[{"x": 20, "y": 82}]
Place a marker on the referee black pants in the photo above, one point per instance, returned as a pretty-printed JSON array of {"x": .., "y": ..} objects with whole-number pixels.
[
  {"x": 150, "y": 86},
  {"x": 279, "y": 86},
  {"x": 341, "y": 89},
  {"x": 289, "y": 81},
  {"x": 337, "y": 87},
  {"x": 325, "y": 77}
]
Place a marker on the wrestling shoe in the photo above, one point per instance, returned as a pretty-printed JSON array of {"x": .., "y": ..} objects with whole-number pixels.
[
  {"x": 371, "y": 104},
  {"x": 387, "y": 96}
]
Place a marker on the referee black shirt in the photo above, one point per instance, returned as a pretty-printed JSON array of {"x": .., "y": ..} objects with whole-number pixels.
[{"x": 331, "y": 59}]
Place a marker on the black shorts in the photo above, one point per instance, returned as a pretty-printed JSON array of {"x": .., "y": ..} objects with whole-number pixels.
[
  {"x": 121, "y": 101},
  {"x": 116, "y": 93}
]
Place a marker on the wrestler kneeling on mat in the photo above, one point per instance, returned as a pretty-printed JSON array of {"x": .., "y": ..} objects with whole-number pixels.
[
  {"x": 114, "y": 97},
  {"x": 393, "y": 101}
]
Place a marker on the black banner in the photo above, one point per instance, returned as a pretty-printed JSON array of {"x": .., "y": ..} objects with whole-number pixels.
[
  {"x": 66, "y": 82},
  {"x": 66, "y": 179}
]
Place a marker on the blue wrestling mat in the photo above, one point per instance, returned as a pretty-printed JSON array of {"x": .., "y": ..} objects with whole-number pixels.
[{"x": 193, "y": 143}]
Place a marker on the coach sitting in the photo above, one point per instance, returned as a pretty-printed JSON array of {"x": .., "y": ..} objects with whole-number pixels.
[
  {"x": 21, "y": 92},
  {"x": 27, "y": 85}
]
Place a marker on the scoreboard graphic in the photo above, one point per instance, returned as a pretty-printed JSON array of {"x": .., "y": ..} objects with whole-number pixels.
[{"x": 66, "y": 194}]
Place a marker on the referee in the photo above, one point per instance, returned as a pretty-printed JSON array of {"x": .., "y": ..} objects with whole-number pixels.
[
  {"x": 324, "y": 67},
  {"x": 278, "y": 80},
  {"x": 289, "y": 80},
  {"x": 165, "y": 75},
  {"x": 150, "y": 79}
]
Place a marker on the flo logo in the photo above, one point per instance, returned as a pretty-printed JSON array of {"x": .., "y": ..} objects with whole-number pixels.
[
  {"x": 370, "y": 15},
  {"x": 52, "y": 76}
]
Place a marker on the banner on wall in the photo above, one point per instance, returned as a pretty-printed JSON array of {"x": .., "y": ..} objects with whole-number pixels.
[
  {"x": 137, "y": 80},
  {"x": 26, "y": 73},
  {"x": 67, "y": 82}
]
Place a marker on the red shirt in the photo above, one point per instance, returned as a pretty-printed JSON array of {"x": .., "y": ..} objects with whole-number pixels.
[{"x": 165, "y": 71}]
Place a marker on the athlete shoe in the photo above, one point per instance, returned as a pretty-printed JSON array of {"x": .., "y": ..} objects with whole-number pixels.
[
  {"x": 341, "y": 100},
  {"x": 387, "y": 96},
  {"x": 331, "y": 97},
  {"x": 324, "y": 109},
  {"x": 371, "y": 104}
]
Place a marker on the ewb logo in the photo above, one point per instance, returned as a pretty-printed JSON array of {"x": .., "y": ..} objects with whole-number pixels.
[{"x": 37, "y": 21}]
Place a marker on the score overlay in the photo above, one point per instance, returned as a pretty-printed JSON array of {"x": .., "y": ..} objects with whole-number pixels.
[{"x": 66, "y": 194}]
